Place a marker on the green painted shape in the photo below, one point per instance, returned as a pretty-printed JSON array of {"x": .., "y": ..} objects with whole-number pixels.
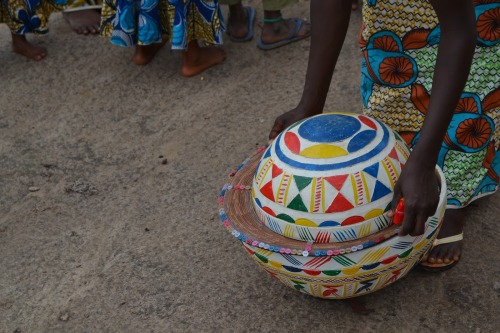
[
  {"x": 343, "y": 260},
  {"x": 433, "y": 222},
  {"x": 261, "y": 258},
  {"x": 305, "y": 234},
  {"x": 286, "y": 218},
  {"x": 406, "y": 253},
  {"x": 302, "y": 182},
  {"x": 298, "y": 285},
  {"x": 297, "y": 204},
  {"x": 332, "y": 272}
]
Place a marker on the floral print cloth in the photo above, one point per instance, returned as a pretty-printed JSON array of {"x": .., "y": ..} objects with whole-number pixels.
[
  {"x": 399, "y": 42},
  {"x": 29, "y": 16},
  {"x": 144, "y": 22}
]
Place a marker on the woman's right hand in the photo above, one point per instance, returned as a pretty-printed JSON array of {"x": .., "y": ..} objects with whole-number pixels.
[{"x": 291, "y": 117}]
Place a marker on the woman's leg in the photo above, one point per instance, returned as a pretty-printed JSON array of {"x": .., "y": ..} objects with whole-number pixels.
[
  {"x": 145, "y": 53},
  {"x": 31, "y": 51},
  {"x": 196, "y": 59}
]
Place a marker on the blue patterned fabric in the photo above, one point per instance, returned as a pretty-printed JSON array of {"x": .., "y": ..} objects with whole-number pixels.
[{"x": 144, "y": 22}]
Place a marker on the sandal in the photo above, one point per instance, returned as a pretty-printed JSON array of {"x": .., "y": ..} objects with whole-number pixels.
[
  {"x": 250, "y": 22},
  {"x": 443, "y": 266},
  {"x": 292, "y": 38}
]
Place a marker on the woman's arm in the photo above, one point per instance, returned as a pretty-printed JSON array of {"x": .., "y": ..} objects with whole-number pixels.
[
  {"x": 329, "y": 23},
  {"x": 456, "y": 49}
]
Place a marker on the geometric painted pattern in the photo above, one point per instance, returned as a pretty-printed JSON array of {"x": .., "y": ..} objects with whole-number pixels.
[{"x": 334, "y": 169}]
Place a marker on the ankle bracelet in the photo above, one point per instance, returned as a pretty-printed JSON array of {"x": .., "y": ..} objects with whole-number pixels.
[{"x": 273, "y": 20}]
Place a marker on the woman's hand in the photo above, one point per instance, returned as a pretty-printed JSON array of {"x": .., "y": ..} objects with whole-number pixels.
[
  {"x": 290, "y": 117},
  {"x": 419, "y": 187}
]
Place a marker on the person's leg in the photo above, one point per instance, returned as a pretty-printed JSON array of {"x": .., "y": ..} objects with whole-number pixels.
[
  {"x": 145, "y": 53},
  {"x": 453, "y": 224},
  {"x": 83, "y": 22},
  {"x": 275, "y": 28},
  {"x": 237, "y": 23},
  {"x": 21, "y": 46},
  {"x": 196, "y": 59},
  {"x": 84, "y": 16}
]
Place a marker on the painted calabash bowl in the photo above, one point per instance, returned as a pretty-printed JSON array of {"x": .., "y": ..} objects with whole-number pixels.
[
  {"x": 329, "y": 178},
  {"x": 335, "y": 269}
]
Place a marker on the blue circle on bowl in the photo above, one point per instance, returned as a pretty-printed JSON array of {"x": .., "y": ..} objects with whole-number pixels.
[{"x": 329, "y": 128}]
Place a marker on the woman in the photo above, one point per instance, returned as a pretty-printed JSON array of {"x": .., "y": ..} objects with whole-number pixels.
[
  {"x": 145, "y": 24},
  {"x": 416, "y": 62}
]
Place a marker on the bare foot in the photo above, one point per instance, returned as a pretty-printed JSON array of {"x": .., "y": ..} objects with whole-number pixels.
[
  {"x": 237, "y": 24},
  {"x": 145, "y": 53},
  {"x": 31, "y": 51},
  {"x": 277, "y": 31},
  {"x": 453, "y": 224},
  {"x": 197, "y": 59},
  {"x": 354, "y": 4},
  {"x": 83, "y": 22}
]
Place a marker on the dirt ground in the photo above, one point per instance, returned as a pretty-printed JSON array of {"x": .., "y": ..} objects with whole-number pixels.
[{"x": 109, "y": 177}]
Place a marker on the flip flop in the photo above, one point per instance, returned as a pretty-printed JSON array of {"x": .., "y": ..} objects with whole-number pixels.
[
  {"x": 293, "y": 38},
  {"x": 443, "y": 266},
  {"x": 251, "y": 19}
]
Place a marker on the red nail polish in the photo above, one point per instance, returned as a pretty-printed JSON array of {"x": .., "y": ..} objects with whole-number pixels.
[{"x": 399, "y": 213}]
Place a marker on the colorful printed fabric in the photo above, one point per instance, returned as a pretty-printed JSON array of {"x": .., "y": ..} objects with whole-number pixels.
[
  {"x": 399, "y": 42},
  {"x": 143, "y": 22},
  {"x": 77, "y": 5},
  {"x": 29, "y": 16}
]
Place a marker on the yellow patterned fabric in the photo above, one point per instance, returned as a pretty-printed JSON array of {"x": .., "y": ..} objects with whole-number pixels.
[
  {"x": 75, "y": 5},
  {"x": 29, "y": 16},
  {"x": 399, "y": 42}
]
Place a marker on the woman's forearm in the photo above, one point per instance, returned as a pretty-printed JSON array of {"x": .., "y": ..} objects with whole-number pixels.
[
  {"x": 329, "y": 23},
  {"x": 455, "y": 53}
]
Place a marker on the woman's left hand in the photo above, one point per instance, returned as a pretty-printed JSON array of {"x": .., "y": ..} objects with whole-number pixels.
[{"x": 419, "y": 187}]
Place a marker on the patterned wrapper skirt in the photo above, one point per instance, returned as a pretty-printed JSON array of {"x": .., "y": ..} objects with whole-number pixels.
[
  {"x": 29, "y": 16},
  {"x": 399, "y": 42},
  {"x": 144, "y": 22}
]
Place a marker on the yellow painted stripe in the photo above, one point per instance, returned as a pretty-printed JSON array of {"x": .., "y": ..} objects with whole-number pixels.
[
  {"x": 285, "y": 203},
  {"x": 354, "y": 189},
  {"x": 313, "y": 190},
  {"x": 269, "y": 167},
  {"x": 388, "y": 173},
  {"x": 364, "y": 230},
  {"x": 373, "y": 256},
  {"x": 289, "y": 231},
  {"x": 365, "y": 186}
]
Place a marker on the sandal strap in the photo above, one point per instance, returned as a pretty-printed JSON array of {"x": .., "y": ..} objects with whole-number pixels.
[
  {"x": 273, "y": 20},
  {"x": 446, "y": 240}
]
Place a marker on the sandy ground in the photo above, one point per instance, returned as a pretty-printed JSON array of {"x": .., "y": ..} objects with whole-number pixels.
[{"x": 122, "y": 234}]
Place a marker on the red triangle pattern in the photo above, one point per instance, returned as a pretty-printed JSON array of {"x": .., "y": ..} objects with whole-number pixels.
[
  {"x": 339, "y": 204},
  {"x": 276, "y": 171},
  {"x": 337, "y": 181},
  {"x": 267, "y": 191},
  {"x": 393, "y": 154}
]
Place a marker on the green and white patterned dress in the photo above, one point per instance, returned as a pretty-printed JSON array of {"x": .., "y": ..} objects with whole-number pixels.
[{"x": 399, "y": 41}]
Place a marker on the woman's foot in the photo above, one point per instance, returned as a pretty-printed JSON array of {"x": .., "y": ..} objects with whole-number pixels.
[
  {"x": 237, "y": 24},
  {"x": 449, "y": 253},
  {"x": 21, "y": 46},
  {"x": 354, "y": 4},
  {"x": 83, "y": 22},
  {"x": 145, "y": 53},
  {"x": 274, "y": 32},
  {"x": 196, "y": 59}
]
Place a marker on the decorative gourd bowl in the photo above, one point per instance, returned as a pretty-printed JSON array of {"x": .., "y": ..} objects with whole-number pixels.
[{"x": 311, "y": 208}]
